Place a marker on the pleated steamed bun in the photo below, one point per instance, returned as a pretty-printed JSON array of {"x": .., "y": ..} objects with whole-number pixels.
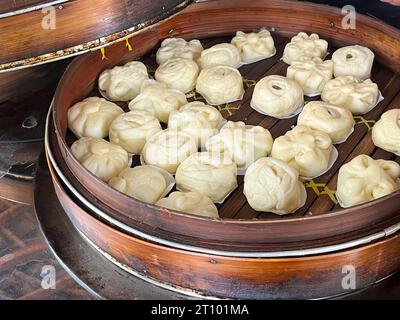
[
  {"x": 190, "y": 202},
  {"x": 220, "y": 84},
  {"x": 277, "y": 96},
  {"x": 122, "y": 83},
  {"x": 244, "y": 144},
  {"x": 92, "y": 117},
  {"x": 211, "y": 174},
  {"x": 303, "y": 47},
  {"x": 130, "y": 130},
  {"x": 157, "y": 99},
  {"x": 254, "y": 46},
  {"x": 145, "y": 183},
  {"x": 271, "y": 185},
  {"x": 351, "y": 93},
  {"x": 386, "y": 132},
  {"x": 311, "y": 74},
  {"x": 337, "y": 122},
  {"x": 308, "y": 150},
  {"x": 197, "y": 119},
  {"x": 102, "y": 158},
  {"x": 178, "y": 73},
  {"x": 364, "y": 179},
  {"x": 178, "y": 48},
  {"x": 354, "y": 61},
  {"x": 168, "y": 148},
  {"x": 222, "y": 54}
]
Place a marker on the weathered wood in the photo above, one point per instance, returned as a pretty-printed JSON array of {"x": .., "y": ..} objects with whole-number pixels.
[{"x": 80, "y": 26}]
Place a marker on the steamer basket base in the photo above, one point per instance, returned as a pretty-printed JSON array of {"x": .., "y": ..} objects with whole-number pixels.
[{"x": 105, "y": 278}]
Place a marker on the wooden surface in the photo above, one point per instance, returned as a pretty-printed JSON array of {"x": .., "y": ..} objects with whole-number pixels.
[
  {"x": 242, "y": 227},
  {"x": 23, "y": 254},
  {"x": 80, "y": 26},
  {"x": 12, "y": 6}
]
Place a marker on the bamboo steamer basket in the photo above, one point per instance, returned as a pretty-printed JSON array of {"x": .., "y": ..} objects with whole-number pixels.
[{"x": 245, "y": 254}]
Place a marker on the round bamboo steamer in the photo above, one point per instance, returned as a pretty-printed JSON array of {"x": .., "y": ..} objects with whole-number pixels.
[{"x": 248, "y": 247}]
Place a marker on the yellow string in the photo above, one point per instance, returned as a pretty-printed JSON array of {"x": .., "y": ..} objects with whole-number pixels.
[
  {"x": 103, "y": 54},
  {"x": 249, "y": 83},
  {"x": 362, "y": 120},
  {"x": 326, "y": 190},
  {"x": 128, "y": 45},
  {"x": 229, "y": 108}
]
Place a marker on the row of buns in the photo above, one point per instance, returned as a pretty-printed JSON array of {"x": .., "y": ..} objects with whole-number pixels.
[{"x": 273, "y": 168}]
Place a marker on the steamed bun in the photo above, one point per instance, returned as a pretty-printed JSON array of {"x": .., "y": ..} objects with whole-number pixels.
[
  {"x": 178, "y": 48},
  {"x": 122, "y": 83},
  {"x": 311, "y": 74},
  {"x": 337, "y": 122},
  {"x": 357, "y": 96},
  {"x": 92, "y": 117},
  {"x": 167, "y": 149},
  {"x": 277, "y": 96},
  {"x": 102, "y": 158},
  {"x": 243, "y": 144},
  {"x": 222, "y": 54},
  {"x": 178, "y": 73},
  {"x": 197, "y": 119},
  {"x": 254, "y": 46},
  {"x": 130, "y": 130},
  {"x": 303, "y": 47},
  {"x": 157, "y": 99},
  {"x": 386, "y": 132},
  {"x": 145, "y": 183},
  {"x": 305, "y": 149},
  {"x": 353, "y": 61},
  {"x": 220, "y": 84},
  {"x": 211, "y": 174},
  {"x": 190, "y": 202},
  {"x": 364, "y": 179},
  {"x": 271, "y": 185}
]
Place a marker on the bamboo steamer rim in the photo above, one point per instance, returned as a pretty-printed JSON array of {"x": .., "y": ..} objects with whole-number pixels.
[{"x": 222, "y": 5}]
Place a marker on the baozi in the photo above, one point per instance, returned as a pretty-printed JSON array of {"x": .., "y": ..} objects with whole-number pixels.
[
  {"x": 254, "y": 46},
  {"x": 357, "y": 96},
  {"x": 277, "y": 96},
  {"x": 311, "y": 74},
  {"x": 102, "y": 158},
  {"x": 242, "y": 143},
  {"x": 178, "y": 48},
  {"x": 337, "y": 122},
  {"x": 271, "y": 185},
  {"x": 386, "y": 132},
  {"x": 167, "y": 149},
  {"x": 364, "y": 179},
  {"x": 178, "y": 73},
  {"x": 211, "y": 174},
  {"x": 190, "y": 202},
  {"x": 92, "y": 117},
  {"x": 158, "y": 99},
  {"x": 197, "y": 119},
  {"x": 130, "y": 130},
  {"x": 220, "y": 84},
  {"x": 303, "y": 47},
  {"x": 353, "y": 61},
  {"x": 222, "y": 54},
  {"x": 145, "y": 183},
  {"x": 122, "y": 83},
  {"x": 308, "y": 150}
]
